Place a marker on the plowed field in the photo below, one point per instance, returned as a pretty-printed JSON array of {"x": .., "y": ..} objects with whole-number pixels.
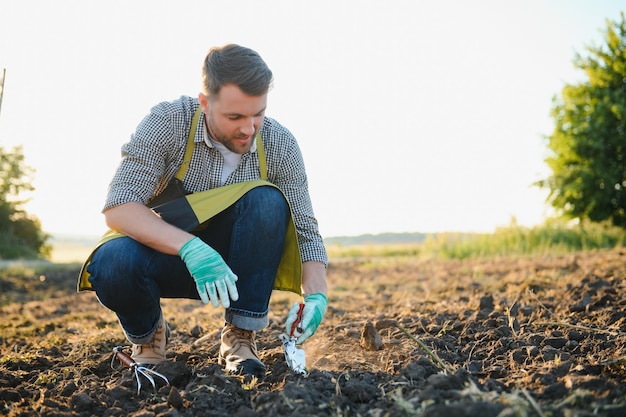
[{"x": 542, "y": 336}]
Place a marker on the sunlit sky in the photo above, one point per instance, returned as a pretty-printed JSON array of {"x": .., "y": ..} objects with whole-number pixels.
[{"x": 413, "y": 116}]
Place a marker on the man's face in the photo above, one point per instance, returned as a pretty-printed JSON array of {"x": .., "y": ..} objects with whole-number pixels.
[{"x": 233, "y": 118}]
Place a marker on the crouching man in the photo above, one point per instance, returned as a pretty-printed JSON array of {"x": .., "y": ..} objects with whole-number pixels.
[{"x": 210, "y": 201}]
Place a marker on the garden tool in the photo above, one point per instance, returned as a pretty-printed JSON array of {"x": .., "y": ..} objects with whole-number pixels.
[
  {"x": 293, "y": 354},
  {"x": 125, "y": 360}
]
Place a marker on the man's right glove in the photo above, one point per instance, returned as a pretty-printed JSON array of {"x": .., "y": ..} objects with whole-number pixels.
[
  {"x": 213, "y": 277},
  {"x": 314, "y": 309}
]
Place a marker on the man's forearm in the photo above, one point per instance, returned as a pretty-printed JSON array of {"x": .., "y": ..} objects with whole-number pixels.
[
  {"x": 142, "y": 224},
  {"x": 314, "y": 278}
]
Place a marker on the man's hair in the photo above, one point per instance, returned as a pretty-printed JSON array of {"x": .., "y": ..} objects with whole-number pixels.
[{"x": 238, "y": 65}]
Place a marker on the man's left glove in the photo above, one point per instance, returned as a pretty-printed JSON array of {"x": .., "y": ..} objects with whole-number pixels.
[{"x": 314, "y": 309}]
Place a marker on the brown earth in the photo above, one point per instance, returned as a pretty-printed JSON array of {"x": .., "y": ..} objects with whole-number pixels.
[{"x": 541, "y": 336}]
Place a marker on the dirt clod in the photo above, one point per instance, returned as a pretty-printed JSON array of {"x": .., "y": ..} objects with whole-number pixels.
[
  {"x": 370, "y": 338},
  {"x": 174, "y": 399}
]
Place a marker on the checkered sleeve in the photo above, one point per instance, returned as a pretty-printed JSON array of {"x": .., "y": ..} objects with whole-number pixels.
[
  {"x": 145, "y": 167},
  {"x": 289, "y": 174}
]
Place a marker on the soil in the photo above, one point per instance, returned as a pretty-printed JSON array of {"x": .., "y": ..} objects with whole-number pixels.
[{"x": 541, "y": 336}]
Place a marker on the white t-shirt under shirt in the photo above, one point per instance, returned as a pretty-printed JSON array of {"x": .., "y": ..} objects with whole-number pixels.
[{"x": 231, "y": 159}]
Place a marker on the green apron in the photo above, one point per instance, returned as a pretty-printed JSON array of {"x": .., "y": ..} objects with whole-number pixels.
[{"x": 192, "y": 210}]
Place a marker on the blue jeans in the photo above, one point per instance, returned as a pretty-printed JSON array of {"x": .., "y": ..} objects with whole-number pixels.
[{"x": 131, "y": 278}]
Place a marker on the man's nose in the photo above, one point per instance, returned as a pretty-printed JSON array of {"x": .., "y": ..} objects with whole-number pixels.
[{"x": 248, "y": 126}]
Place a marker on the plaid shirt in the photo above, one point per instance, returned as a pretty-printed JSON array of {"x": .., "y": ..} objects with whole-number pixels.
[{"x": 156, "y": 150}]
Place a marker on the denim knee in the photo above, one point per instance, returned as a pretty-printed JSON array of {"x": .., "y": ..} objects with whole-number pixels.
[
  {"x": 117, "y": 271},
  {"x": 266, "y": 206}
]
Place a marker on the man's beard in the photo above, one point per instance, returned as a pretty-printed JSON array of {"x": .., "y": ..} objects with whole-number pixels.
[{"x": 228, "y": 142}]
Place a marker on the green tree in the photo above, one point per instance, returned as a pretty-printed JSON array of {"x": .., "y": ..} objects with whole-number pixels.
[
  {"x": 21, "y": 235},
  {"x": 588, "y": 144}
]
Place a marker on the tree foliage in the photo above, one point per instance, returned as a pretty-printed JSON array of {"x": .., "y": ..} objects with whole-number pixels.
[
  {"x": 588, "y": 144},
  {"x": 21, "y": 235}
]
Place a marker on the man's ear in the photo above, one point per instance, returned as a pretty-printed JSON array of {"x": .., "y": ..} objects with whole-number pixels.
[{"x": 204, "y": 102}]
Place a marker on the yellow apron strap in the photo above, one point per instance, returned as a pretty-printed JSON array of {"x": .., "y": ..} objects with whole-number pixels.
[
  {"x": 261, "y": 152},
  {"x": 190, "y": 145}
]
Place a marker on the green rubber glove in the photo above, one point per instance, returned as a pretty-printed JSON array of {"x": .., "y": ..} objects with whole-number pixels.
[
  {"x": 214, "y": 279},
  {"x": 314, "y": 309}
]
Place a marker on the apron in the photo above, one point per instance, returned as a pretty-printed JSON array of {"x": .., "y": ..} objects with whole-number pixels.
[{"x": 190, "y": 211}]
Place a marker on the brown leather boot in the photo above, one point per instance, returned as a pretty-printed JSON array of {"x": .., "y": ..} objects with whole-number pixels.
[
  {"x": 154, "y": 351},
  {"x": 238, "y": 352}
]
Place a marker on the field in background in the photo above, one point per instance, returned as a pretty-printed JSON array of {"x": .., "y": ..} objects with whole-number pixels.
[
  {"x": 71, "y": 249},
  {"x": 553, "y": 237}
]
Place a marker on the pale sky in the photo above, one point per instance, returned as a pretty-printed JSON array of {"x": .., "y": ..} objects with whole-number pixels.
[{"x": 413, "y": 116}]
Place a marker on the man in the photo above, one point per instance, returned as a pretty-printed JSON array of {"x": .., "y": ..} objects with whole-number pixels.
[{"x": 244, "y": 173}]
